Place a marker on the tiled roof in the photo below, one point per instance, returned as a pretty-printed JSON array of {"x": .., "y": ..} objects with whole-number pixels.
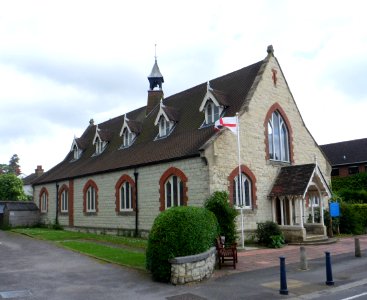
[
  {"x": 29, "y": 179},
  {"x": 185, "y": 141},
  {"x": 347, "y": 152},
  {"x": 292, "y": 180},
  {"x": 19, "y": 205}
]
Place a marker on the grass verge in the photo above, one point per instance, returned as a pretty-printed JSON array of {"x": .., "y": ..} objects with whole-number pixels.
[
  {"x": 115, "y": 249},
  {"x": 62, "y": 235},
  {"x": 115, "y": 255}
]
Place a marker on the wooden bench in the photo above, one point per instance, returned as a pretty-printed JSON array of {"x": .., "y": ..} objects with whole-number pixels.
[{"x": 226, "y": 253}]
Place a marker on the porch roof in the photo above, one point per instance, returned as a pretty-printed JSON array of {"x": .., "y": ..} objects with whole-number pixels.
[{"x": 295, "y": 181}]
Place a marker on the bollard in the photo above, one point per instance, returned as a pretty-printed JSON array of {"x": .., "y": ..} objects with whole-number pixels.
[
  {"x": 283, "y": 277},
  {"x": 329, "y": 273},
  {"x": 303, "y": 259},
  {"x": 357, "y": 248}
]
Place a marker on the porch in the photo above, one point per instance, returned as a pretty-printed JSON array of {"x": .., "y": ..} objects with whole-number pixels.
[{"x": 299, "y": 197}]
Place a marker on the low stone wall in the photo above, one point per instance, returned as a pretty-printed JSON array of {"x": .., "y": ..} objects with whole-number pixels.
[
  {"x": 192, "y": 268},
  {"x": 293, "y": 234}
]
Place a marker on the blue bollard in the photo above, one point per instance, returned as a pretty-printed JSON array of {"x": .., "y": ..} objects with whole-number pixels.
[
  {"x": 283, "y": 277},
  {"x": 329, "y": 273}
]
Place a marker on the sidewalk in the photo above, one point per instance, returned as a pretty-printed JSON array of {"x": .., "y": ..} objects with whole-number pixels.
[{"x": 255, "y": 259}]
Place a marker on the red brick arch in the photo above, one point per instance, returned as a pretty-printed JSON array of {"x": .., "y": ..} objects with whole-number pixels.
[
  {"x": 169, "y": 172},
  {"x": 89, "y": 183},
  {"x": 63, "y": 188},
  {"x": 118, "y": 184},
  {"x": 42, "y": 191},
  {"x": 273, "y": 108},
  {"x": 250, "y": 175}
]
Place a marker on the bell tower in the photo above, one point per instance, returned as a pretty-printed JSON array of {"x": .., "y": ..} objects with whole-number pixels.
[{"x": 155, "y": 92}]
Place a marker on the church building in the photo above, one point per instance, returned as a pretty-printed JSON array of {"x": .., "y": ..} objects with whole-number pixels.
[{"x": 120, "y": 174}]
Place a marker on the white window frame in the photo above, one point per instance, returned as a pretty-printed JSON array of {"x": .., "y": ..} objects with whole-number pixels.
[
  {"x": 170, "y": 191},
  {"x": 278, "y": 150},
  {"x": 44, "y": 200},
  {"x": 126, "y": 197},
  {"x": 91, "y": 200},
  {"x": 212, "y": 112},
  {"x": 315, "y": 200},
  {"x": 165, "y": 127},
  {"x": 246, "y": 197},
  {"x": 76, "y": 152},
  {"x": 64, "y": 201},
  {"x": 127, "y": 138}
]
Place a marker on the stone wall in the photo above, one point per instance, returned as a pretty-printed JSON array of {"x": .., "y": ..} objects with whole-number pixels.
[
  {"x": 193, "y": 268},
  {"x": 107, "y": 219},
  {"x": 222, "y": 153}
]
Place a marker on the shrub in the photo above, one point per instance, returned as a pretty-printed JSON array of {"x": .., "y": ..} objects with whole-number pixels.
[
  {"x": 269, "y": 234},
  {"x": 354, "y": 182},
  {"x": 179, "y": 231},
  {"x": 226, "y": 214},
  {"x": 351, "y": 220},
  {"x": 353, "y": 196}
]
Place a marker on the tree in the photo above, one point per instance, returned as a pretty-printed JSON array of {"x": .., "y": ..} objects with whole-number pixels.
[
  {"x": 14, "y": 167},
  {"x": 11, "y": 188},
  {"x": 4, "y": 169}
]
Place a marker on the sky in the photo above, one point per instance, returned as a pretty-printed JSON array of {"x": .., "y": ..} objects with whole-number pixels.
[{"x": 65, "y": 62}]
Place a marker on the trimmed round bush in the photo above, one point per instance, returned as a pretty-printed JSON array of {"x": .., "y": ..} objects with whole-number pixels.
[{"x": 179, "y": 231}]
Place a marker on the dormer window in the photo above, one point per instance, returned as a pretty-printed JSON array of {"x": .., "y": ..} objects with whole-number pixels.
[
  {"x": 129, "y": 132},
  {"x": 212, "y": 105},
  {"x": 164, "y": 127},
  {"x": 212, "y": 112},
  {"x": 77, "y": 148},
  {"x": 127, "y": 138},
  {"x": 99, "y": 146},
  {"x": 76, "y": 152},
  {"x": 165, "y": 120},
  {"x": 100, "y": 140}
]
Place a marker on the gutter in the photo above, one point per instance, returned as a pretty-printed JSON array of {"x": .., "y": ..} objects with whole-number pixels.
[{"x": 136, "y": 175}]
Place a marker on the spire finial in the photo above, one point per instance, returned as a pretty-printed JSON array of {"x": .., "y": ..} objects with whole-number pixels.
[
  {"x": 208, "y": 87},
  {"x": 155, "y": 52}
]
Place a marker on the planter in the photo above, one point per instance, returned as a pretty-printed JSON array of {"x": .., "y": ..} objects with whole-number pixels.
[{"x": 193, "y": 268}]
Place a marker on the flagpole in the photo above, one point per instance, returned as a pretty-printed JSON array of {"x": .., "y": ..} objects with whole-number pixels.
[{"x": 240, "y": 180}]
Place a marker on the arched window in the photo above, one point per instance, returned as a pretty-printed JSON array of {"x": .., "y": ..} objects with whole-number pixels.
[
  {"x": 245, "y": 185},
  {"x": 64, "y": 199},
  {"x": 125, "y": 194},
  {"x": 173, "y": 190},
  {"x": 43, "y": 200},
  {"x": 278, "y": 135},
  {"x": 90, "y": 197},
  {"x": 242, "y": 198}
]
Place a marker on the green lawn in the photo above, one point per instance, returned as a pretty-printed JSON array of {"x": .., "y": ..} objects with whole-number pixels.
[{"x": 116, "y": 249}]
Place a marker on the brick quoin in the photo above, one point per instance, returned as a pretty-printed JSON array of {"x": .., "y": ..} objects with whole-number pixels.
[
  {"x": 43, "y": 190},
  {"x": 251, "y": 176},
  {"x": 122, "y": 180},
  {"x": 273, "y": 108},
  {"x": 71, "y": 202},
  {"x": 89, "y": 183},
  {"x": 170, "y": 172}
]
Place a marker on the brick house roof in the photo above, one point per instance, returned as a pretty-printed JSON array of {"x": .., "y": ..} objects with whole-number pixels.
[
  {"x": 185, "y": 140},
  {"x": 345, "y": 153},
  {"x": 292, "y": 180}
]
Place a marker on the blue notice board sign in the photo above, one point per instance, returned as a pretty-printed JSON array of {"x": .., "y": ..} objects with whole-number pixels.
[{"x": 334, "y": 209}]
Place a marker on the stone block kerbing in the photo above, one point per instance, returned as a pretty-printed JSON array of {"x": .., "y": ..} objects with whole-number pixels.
[{"x": 192, "y": 268}]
